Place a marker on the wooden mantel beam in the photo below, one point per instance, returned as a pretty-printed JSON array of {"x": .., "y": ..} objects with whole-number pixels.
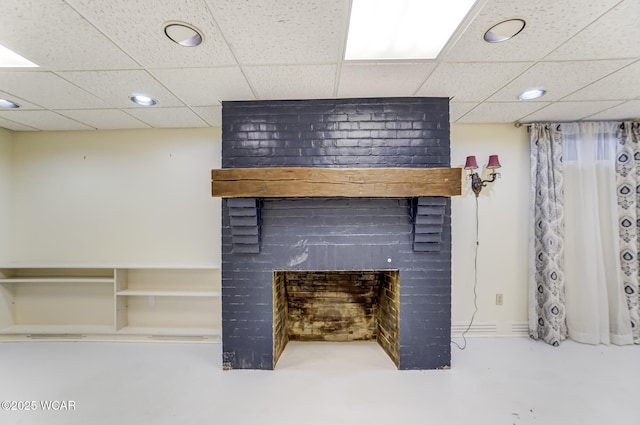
[{"x": 335, "y": 182}]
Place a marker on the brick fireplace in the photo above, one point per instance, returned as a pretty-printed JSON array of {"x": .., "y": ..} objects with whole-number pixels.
[{"x": 336, "y": 268}]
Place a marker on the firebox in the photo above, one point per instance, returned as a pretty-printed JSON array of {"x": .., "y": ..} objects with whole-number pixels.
[
  {"x": 336, "y": 306},
  {"x": 366, "y": 264}
]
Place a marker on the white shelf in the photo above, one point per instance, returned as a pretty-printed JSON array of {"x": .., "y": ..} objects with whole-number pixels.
[
  {"x": 143, "y": 330},
  {"x": 152, "y": 293},
  {"x": 81, "y": 266},
  {"x": 57, "y": 329},
  {"x": 108, "y": 303},
  {"x": 57, "y": 280}
]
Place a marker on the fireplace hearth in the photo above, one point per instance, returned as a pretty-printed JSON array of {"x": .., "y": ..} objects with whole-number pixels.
[{"x": 336, "y": 268}]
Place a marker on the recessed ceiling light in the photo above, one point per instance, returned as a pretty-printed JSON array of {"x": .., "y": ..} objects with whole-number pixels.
[
  {"x": 402, "y": 29},
  {"x": 143, "y": 100},
  {"x": 183, "y": 34},
  {"x": 504, "y": 30},
  {"x": 10, "y": 59},
  {"x": 4, "y": 103},
  {"x": 532, "y": 94}
]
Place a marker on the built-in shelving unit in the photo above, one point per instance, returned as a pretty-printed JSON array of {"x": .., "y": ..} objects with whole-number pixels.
[{"x": 179, "y": 303}]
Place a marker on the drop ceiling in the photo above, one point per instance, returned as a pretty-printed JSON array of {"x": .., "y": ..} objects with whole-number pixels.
[{"x": 94, "y": 54}]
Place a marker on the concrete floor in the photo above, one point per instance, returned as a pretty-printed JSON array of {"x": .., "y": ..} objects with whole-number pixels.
[{"x": 494, "y": 381}]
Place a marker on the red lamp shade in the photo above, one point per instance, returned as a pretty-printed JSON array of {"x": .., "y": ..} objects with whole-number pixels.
[
  {"x": 471, "y": 163},
  {"x": 493, "y": 162}
]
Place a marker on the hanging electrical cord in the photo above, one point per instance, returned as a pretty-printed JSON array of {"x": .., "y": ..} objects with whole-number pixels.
[{"x": 475, "y": 283}]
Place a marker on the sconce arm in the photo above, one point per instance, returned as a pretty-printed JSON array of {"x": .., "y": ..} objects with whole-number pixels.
[{"x": 477, "y": 183}]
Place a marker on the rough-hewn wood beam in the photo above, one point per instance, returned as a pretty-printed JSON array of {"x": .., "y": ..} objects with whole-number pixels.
[{"x": 338, "y": 182}]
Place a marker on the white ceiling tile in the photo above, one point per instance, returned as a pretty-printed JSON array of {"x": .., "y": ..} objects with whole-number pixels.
[
  {"x": 459, "y": 109},
  {"x": 24, "y": 105},
  {"x": 499, "y": 112},
  {"x": 15, "y": 126},
  {"x": 105, "y": 119},
  {"x": 569, "y": 111},
  {"x": 211, "y": 114},
  {"x": 138, "y": 28},
  {"x": 549, "y": 24},
  {"x": 115, "y": 87},
  {"x": 558, "y": 78},
  {"x": 48, "y": 90},
  {"x": 44, "y": 120},
  {"x": 292, "y": 82},
  {"x": 623, "y": 84},
  {"x": 168, "y": 117},
  {"x": 283, "y": 32},
  {"x": 382, "y": 79},
  {"x": 625, "y": 111},
  {"x": 473, "y": 81},
  {"x": 205, "y": 86},
  {"x": 614, "y": 35},
  {"x": 293, "y": 49},
  {"x": 54, "y": 36}
]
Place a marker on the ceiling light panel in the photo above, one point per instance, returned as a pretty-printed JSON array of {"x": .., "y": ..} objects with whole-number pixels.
[
  {"x": 10, "y": 59},
  {"x": 402, "y": 29}
]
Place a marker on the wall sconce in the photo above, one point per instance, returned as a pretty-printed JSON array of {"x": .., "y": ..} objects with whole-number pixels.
[{"x": 476, "y": 182}]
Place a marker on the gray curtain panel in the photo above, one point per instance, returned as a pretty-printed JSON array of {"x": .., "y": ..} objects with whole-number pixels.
[
  {"x": 628, "y": 188},
  {"x": 546, "y": 260}
]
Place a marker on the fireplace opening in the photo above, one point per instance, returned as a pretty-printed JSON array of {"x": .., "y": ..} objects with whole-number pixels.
[{"x": 336, "y": 306}]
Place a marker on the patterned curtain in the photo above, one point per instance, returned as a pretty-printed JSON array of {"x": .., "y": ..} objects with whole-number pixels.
[
  {"x": 628, "y": 186},
  {"x": 546, "y": 267}
]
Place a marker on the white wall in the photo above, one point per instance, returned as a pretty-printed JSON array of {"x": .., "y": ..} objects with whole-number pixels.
[
  {"x": 116, "y": 197},
  {"x": 143, "y": 197},
  {"x": 6, "y": 193},
  {"x": 503, "y": 228}
]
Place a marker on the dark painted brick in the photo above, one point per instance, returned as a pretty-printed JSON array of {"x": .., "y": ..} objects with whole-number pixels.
[
  {"x": 333, "y": 233},
  {"x": 241, "y": 202},
  {"x": 244, "y": 221}
]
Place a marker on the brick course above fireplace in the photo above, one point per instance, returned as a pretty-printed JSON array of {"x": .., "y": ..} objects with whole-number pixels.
[{"x": 410, "y": 235}]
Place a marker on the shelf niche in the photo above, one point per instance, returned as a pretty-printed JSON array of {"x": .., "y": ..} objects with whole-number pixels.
[{"x": 139, "y": 303}]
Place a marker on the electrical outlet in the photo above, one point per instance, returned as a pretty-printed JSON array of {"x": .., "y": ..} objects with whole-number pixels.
[{"x": 499, "y": 299}]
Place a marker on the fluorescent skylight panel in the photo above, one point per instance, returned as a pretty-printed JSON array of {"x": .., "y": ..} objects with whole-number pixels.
[
  {"x": 402, "y": 29},
  {"x": 10, "y": 59}
]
